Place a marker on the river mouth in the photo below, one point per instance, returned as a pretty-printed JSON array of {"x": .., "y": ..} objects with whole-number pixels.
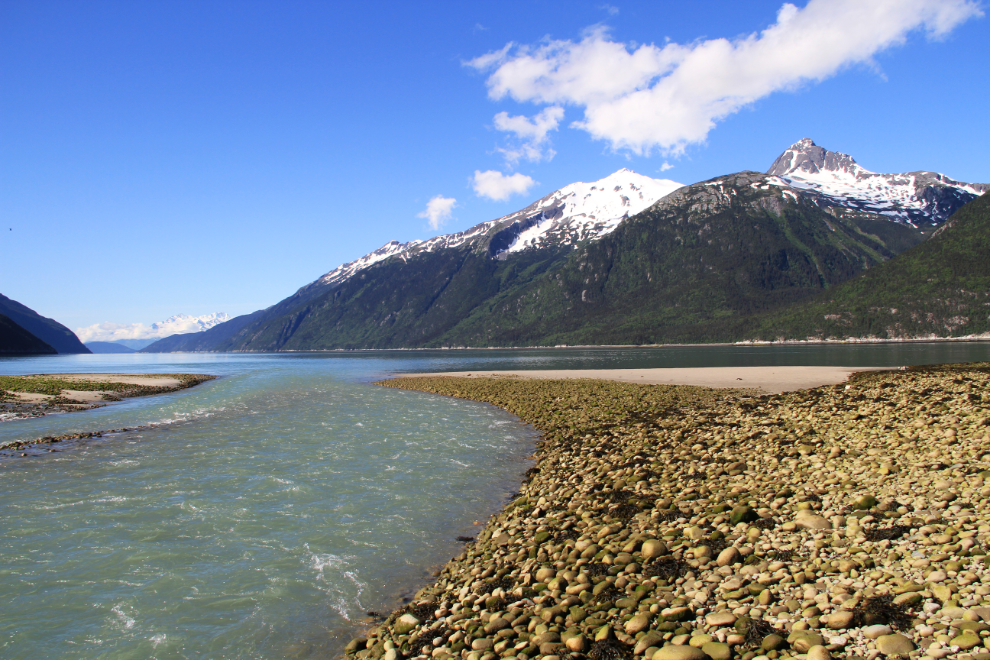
[
  {"x": 261, "y": 516},
  {"x": 268, "y": 511}
]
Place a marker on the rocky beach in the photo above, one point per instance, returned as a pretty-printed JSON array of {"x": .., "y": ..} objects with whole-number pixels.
[{"x": 682, "y": 523}]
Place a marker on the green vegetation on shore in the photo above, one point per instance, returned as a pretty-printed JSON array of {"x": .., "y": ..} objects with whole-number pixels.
[
  {"x": 680, "y": 523},
  {"x": 56, "y": 386}
]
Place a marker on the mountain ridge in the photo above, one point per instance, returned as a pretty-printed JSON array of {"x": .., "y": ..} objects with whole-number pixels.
[
  {"x": 47, "y": 330},
  {"x": 757, "y": 242}
]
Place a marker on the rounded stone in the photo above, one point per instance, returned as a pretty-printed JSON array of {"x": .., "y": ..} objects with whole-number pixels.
[
  {"x": 720, "y": 619},
  {"x": 482, "y": 644},
  {"x": 637, "y": 624},
  {"x": 679, "y": 653},
  {"x": 818, "y": 652},
  {"x": 728, "y": 556},
  {"x": 653, "y": 548},
  {"x": 873, "y": 632},
  {"x": 966, "y": 641},
  {"x": 405, "y": 623},
  {"x": 717, "y": 650},
  {"x": 840, "y": 620},
  {"x": 894, "y": 644},
  {"x": 575, "y": 644}
]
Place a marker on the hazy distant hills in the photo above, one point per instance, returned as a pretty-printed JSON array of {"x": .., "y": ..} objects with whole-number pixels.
[
  {"x": 619, "y": 261},
  {"x": 47, "y": 330},
  {"x": 108, "y": 347},
  {"x": 15, "y": 340}
]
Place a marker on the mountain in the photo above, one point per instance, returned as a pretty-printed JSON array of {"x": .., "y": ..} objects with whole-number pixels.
[
  {"x": 138, "y": 332},
  {"x": 916, "y": 198},
  {"x": 15, "y": 340},
  {"x": 108, "y": 347},
  {"x": 47, "y": 330},
  {"x": 622, "y": 260},
  {"x": 575, "y": 213},
  {"x": 940, "y": 288}
]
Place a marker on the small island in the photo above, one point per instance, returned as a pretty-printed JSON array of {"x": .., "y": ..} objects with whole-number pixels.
[{"x": 684, "y": 523}]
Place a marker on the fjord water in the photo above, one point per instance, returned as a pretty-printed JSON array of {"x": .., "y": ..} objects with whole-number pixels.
[{"x": 261, "y": 514}]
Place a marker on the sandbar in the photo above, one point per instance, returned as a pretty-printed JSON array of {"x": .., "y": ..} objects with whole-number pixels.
[{"x": 771, "y": 380}]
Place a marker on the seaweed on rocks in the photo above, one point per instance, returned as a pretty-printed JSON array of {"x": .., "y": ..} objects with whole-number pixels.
[
  {"x": 781, "y": 554},
  {"x": 764, "y": 523},
  {"x": 465, "y": 539},
  {"x": 756, "y": 630},
  {"x": 596, "y": 569},
  {"x": 887, "y": 533},
  {"x": 606, "y": 595},
  {"x": 670, "y": 515},
  {"x": 882, "y": 610},
  {"x": 624, "y": 511},
  {"x": 609, "y": 649},
  {"x": 667, "y": 568}
]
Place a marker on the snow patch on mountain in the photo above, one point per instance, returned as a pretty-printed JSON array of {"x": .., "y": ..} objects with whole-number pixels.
[
  {"x": 912, "y": 198},
  {"x": 178, "y": 324},
  {"x": 577, "y": 212}
]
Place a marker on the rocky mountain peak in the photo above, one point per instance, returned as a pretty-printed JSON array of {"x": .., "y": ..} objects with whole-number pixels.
[{"x": 806, "y": 157}]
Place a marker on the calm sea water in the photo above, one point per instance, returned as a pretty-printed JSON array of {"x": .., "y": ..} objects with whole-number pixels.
[{"x": 262, "y": 514}]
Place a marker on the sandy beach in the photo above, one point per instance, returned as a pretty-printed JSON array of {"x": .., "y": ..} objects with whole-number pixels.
[{"x": 771, "y": 380}]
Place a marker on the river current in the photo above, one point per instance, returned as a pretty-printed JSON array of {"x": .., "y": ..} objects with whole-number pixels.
[{"x": 263, "y": 514}]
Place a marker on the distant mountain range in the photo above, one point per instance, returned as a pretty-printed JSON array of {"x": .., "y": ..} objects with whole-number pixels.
[
  {"x": 48, "y": 331},
  {"x": 626, "y": 259},
  {"x": 139, "y": 335}
]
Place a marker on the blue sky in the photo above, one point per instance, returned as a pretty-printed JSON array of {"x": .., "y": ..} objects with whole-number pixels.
[{"x": 197, "y": 157}]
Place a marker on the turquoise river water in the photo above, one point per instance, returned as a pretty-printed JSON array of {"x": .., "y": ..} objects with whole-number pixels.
[{"x": 261, "y": 515}]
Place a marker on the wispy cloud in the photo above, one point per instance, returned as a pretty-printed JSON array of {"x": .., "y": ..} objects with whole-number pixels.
[
  {"x": 499, "y": 187},
  {"x": 438, "y": 211},
  {"x": 666, "y": 166},
  {"x": 532, "y": 142},
  {"x": 647, "y": 97},
  {"x": 610, "y": 10}
]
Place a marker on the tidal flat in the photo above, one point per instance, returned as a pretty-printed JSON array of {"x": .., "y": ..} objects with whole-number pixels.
[{"x": 674, "y": 522}]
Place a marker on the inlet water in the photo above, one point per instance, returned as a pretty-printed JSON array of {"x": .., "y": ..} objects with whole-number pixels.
[{"x": 263, "y": 514}]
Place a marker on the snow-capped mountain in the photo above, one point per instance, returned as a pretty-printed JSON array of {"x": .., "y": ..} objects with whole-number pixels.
[
  {"x": 577, "y": 212},
  {"x": 914, "y": 198},
  {"x": 178, "y": 324}
]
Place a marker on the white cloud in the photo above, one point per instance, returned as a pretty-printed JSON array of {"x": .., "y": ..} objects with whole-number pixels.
[
  {"x": 180, "y": 323},
  {"x": 438, "y": 211},
  {"x": 666, "y": 166},
  {"x": 650, "y": 97},
  {"x": 533, "y": 142},
  {"x": 498, "y": 187},
  {"x": 611, "y": 10}
]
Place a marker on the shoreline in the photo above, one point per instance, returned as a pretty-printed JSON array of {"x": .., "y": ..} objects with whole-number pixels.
[
  {"x": 37, "y": 395},
  {"x": 852, "y": 341},
  {"x": 673, "y": 522}
]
